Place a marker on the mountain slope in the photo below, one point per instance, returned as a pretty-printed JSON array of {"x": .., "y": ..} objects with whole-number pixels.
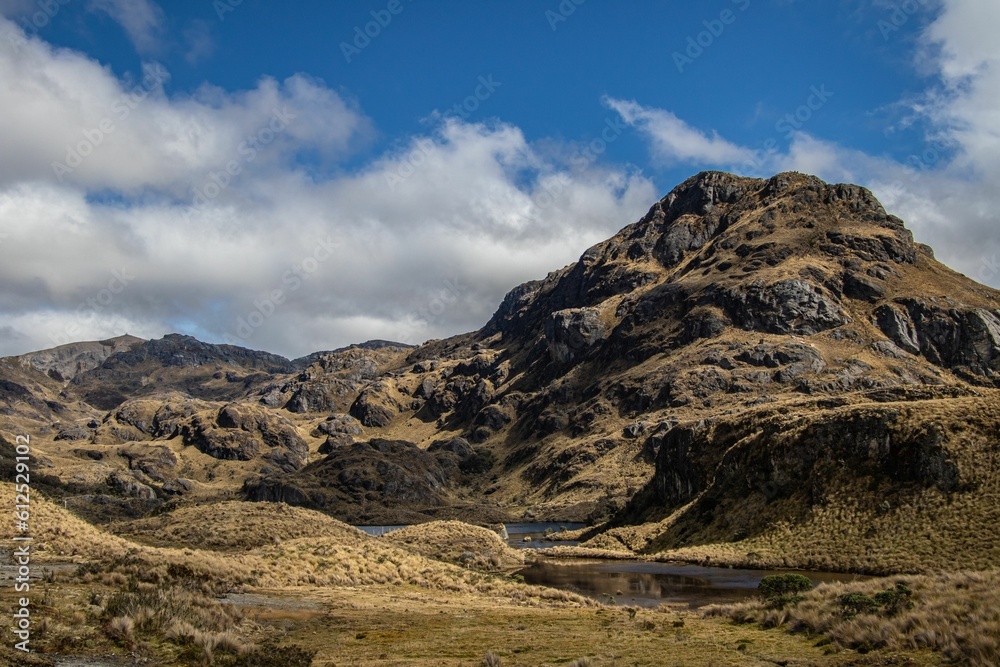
[
  {"x": 730, "y": 294},
  {"x": 753, "y": 359}
]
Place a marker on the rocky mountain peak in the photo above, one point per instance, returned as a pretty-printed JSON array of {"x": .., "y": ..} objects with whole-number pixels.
[{"x": 788, "y": 255}]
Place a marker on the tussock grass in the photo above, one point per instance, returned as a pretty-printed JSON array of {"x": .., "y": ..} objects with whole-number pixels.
[
  {"x": 456, "y": 542},
  {"x": 956, "y": 615},
  {"x": 234, "y": 525},
  {"x": 351, "y": 558}
]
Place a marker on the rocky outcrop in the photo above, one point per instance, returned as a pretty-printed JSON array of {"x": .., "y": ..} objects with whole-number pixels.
[
  {"x": 333, "y": 380},
  {"x": 785, "y": 307},
  {"x": 375, "y": 406},
  {"x": 246, "y": 432},
  {"x": 383, "y": 473},
  {"x": 950, "y": 335},
  {"x": 126, "y": 485},
  {"x": 571, "y": 332},
  {"x": 707, "y": 471},
  {"x": 157, "y": 462}
]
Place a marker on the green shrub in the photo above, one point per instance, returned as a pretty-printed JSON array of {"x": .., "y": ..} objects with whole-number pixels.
[
  {"x": 857, "y": 603},
  {"x": 895, "y": 600},
  {"x": 782, "y": 589}
]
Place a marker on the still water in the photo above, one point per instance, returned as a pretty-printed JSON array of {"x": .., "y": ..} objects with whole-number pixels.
[{"x": 650, "y": 584}]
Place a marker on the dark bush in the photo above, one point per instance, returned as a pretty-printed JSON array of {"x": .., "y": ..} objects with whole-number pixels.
[
  {"x": 857, "y": 603},
  {"x": 479, "y": 462},
  {"x": 895, "y": 600},
  {"x": 784, "y": 587}
]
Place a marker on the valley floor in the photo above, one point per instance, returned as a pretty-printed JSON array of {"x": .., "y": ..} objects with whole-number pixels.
[{"x": 376, "y": 626}]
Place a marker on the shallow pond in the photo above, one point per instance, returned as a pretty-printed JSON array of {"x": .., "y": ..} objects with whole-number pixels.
[{"x": 650, "y": 584}]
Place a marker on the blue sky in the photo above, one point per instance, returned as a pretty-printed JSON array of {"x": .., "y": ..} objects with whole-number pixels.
[{"x": 277, "y": 178}]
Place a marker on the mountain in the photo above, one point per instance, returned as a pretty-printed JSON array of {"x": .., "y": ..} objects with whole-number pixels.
[
  {"x": 751, "y": 360},
  {"x": 65, "y": 362}
]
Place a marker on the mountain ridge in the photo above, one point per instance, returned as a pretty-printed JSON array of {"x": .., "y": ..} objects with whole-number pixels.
[{"x": 709, "y": 355}]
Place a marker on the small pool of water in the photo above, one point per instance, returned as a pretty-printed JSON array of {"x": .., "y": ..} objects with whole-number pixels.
[
  {"x": 650, "y": 584},
  {"x": 540, "y": 534}
]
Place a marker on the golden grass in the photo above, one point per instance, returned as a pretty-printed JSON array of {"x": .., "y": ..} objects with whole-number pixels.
[
  {"x": 957, "y": 615},
  {"x": 234, "y": 525},
  {"x": 380, "y": 628},
  {"x": 457, "y": 542},
  {"x": 349, "y": 559}
]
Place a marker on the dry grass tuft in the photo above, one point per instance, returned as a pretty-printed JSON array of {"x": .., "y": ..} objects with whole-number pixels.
[
  {"x": 957, "y": 615},
  {"x": 456, "y": 542},
  {"x": 233, "y": 526}
]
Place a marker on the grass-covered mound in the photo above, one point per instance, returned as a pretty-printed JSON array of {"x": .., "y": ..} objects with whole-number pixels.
[
  {"x": 235, "y": 525},
  {"x": 457, "y": 542}
]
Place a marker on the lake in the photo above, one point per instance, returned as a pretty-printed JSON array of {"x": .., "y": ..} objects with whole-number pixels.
[{"x": 650, "y": 584}]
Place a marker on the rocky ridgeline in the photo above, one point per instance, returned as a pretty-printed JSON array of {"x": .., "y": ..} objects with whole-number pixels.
[{"x": 660, "y": 368}]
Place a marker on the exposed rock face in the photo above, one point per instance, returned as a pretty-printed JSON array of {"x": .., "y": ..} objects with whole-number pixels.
[
  {"x": 785, "y": 307},
  {"x": 176, "y": 363},
  {"x": 949, "y": 334},
  {"x": 386, "y": 473},
  {"x": 127, "y": 485},
  {"x": 244, "y": 432},
  {"x": 375, "y": 406},
  {"x": 65, "y": 362},
  {"x": 235, "y": 431},
  {"x": 332, "y": 379},
  {"x": 572, "y": 331}
]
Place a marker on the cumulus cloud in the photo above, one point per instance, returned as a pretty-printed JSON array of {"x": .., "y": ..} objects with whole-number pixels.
[
  {"x": 197, "y": 214},
  {"x": 70, "y": 119}
]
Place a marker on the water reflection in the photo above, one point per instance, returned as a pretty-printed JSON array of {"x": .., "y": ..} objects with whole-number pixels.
[{"x": 649, "y": 584}]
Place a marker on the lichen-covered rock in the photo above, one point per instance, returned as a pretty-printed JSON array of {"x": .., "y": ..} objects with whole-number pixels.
[
  {"x": 127, "y": 485},
  {"x": 789, "y": 306}
]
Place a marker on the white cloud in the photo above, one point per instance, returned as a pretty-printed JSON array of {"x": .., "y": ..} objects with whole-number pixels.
[
  {"x": 142, "y": 21},
  {"x": 673, "y": 140},
  {"x": 422, "y": 242},
  {"x": 68, "y": 117}
]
